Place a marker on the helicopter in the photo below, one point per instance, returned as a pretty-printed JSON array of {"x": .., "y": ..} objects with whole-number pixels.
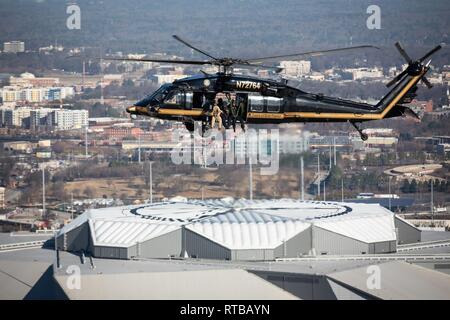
[{"x": 269, "y": 101}]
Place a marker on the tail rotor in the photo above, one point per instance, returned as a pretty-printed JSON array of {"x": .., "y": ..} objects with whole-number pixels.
[{"x": 414, "y": 67}]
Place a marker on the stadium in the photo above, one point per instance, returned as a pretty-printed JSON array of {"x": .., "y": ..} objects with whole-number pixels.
[{"x": 229, "y": 229}]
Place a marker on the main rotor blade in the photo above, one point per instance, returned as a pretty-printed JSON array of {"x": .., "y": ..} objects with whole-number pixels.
[
  {"x": 403, "y": 52},
  {"x": 261, "y": 66},
  {"x": 193, "y": 62},
  {"x": 438, "y": 47},
  {"x": 310, "y": 53},
  {"x": 192, "y": 47}
]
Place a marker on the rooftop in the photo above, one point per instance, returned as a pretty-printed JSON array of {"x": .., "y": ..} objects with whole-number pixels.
[{"x": 236, "y": 224}]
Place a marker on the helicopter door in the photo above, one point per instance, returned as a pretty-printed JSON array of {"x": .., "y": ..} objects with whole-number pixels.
[{"x": 273, "y": 104}]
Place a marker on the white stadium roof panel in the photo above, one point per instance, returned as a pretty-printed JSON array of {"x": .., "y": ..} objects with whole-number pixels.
[
  {"x": 257, "y": 231},
  {"x": 236, "y": 224},
  {"x": 125, "y": 234},
  {"x": 366, "y": 229}
]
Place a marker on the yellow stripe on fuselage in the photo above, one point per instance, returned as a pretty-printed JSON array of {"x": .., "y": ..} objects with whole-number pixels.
[{"x": 180, "y": 112}]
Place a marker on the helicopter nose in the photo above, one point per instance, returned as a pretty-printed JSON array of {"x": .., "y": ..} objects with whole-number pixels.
[{"x": 131, "y": 109}]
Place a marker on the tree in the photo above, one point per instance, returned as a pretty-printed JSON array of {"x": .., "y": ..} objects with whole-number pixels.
[
  {"x": 57, "y": 190},
  {"x": 405, "y": 186},
  {"x": 413, "y": 186}
]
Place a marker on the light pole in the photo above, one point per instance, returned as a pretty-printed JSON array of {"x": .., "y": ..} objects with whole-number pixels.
[
  {"x": 250, "y": 178},
  {"x": 43, "y": 191},
  {"x": 331, "y": 157},
  {"x": 390, "y": 195},
  {"x": 334, "y": 147},
  {"x": 302, "y": 183},
  {"x": 432, "y": 202},
  {"x": 86, "y": 141},
  {"x": 71, "y": 206},
  {"x": 318, "y": 175},
  {"x": 151, "y": 181},
  {"x": 139, "y": 147}
]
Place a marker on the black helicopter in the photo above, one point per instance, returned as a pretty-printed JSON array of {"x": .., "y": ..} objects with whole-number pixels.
[{"x": 270, "y": 101}]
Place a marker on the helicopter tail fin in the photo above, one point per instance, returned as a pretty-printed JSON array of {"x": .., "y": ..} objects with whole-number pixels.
[
  {"x": 405, "y": 84},
  {"x": 402, "y": 93}
]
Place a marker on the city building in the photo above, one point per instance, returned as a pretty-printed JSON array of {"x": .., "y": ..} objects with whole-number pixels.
[
  {"x": 365, "y": 73},
  {"x": 14, "y": 47},
  {"x": 296, "y": 68},
  {"x": 443, "y": 149},
  {"x": 18, "y": 117},
  {"x": 380, "y": 132},
  {"x": 381, "y": 141},
  {"x": 229, "y": 229},
  {"x": 121, "y": 132},
  {"x": 28, "y": 79},
  {"x": 62, "y": 119},
  {"x": 35, "y": 95},
  {"x": 2, "y": 197},
  {"x": 19, "y": 146},
  {"x": 58, "y": 93},
  {"x": 32, "y": 118},
  {"x": 316, "y": 76},
  {"x": 39, "y": 117}
]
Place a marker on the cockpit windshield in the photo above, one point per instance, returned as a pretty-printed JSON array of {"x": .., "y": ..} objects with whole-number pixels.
[{"x": 156, "y": 97}]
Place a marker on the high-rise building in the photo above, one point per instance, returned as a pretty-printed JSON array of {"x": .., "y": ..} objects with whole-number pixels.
[
  {"x": 39, "y": 117},
  {"x": 18, "y": 117},
  {"x": 9, "y": 94},
  {"x": 14, "y": 47},
  {"x": 35, "y": 95},
  {"x": 69, "y": 119}
]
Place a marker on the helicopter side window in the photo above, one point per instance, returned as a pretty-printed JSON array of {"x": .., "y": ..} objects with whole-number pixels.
[
  {"x": 256, "y": 103},
  {"x": 273, "y": 104}
]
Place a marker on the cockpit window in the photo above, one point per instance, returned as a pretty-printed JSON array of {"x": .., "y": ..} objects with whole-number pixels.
[
  {"x": 161, "y": 93},
  {"x": 172, "y": 97},
  {"x": 156, "y": 97}
]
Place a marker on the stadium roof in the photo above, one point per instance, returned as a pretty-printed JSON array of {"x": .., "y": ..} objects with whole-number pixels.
[{"x": 236, "y": 224}]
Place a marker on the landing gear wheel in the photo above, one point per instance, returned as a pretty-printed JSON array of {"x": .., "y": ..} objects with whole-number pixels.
[
  {"x": 364, "y": 136},
  {"x": 190, "y": 126}
]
